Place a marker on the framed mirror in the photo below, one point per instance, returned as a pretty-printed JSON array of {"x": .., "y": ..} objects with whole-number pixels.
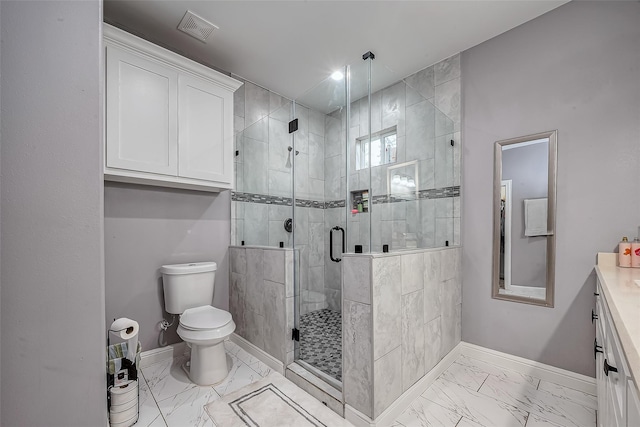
[{"x": 524, "y": 206}]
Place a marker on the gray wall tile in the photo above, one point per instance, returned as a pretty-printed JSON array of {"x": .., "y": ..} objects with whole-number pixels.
[
  {"x": 358, "y": 366},
  {"x": 447, "y": 70},
  {"x": 333, "y": 299},
  {"x": 412, "y": 272},
  {"x": 238, "y": 102},
  {"x": 432, "y": 288},
  {"x": 254, "y": 281},
  {"x": 238, "y": 260},
  {"x": 386, "y": 305},
  {"x": 357, "y": 278},
  {"x": 432, "y": 341},
  {"x": 288, "y": 273},
  {"x": 387, "y": 381},
  {"x": 273, "y": 265},
  {"x": 274, "y": 319},
  {"x": 256, "y": 102},
  {"x": 447, "y": 99},
  {"x": 393, "y": 107},
  {"x": 237, "y": 297},
  {"x": 413, "y": 338},
  {"x": 449, "y": 319},
  {"x": 255, "y": 232},
  {"x": 254, "y": 328},
  {"x": 422, "y": 83}
]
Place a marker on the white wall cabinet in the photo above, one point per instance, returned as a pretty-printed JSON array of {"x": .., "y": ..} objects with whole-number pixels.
[
  {"x": 169, "y": 120},
  {"x": 618, "y": 404}
]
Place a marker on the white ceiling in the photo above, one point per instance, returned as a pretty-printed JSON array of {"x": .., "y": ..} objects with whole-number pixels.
[{"x": 290, "y": 47}]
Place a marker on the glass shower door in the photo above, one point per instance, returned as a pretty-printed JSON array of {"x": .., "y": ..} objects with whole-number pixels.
[{"x": 319, "y": 220}]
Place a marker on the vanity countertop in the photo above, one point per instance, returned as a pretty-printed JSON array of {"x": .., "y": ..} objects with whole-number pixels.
[{"x": 621, "y": 287}]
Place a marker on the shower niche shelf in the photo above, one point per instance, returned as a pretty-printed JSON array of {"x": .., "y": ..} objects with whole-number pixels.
[{"x": 360, "y": 201}]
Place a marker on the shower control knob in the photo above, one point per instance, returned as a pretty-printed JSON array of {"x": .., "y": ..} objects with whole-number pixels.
[{"x": 288, "y": 225}]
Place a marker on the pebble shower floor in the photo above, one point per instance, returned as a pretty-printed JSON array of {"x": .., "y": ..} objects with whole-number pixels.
[{"x": 321, "y": 341}]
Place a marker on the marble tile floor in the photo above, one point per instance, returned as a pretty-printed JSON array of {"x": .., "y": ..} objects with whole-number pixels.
[
  {"x": 472, "y": 393},
  {"x": 169, "y": 399}
]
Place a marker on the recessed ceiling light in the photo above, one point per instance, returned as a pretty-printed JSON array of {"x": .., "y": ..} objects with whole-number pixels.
[{"x": 337, "y": 75}]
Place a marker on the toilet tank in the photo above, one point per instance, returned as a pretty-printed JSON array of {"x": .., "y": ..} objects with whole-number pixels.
[{"x": 188, "y": 285}]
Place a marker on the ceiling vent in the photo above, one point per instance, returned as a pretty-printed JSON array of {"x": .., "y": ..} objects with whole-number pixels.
[{"x": 196, "y": 26}]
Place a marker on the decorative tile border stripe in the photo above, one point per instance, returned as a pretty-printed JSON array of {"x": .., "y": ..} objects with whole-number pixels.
[
  {"x": 260, "y": 198},
  {"x": 432, "y": 193},
  {"x": 284, "y": 201}
]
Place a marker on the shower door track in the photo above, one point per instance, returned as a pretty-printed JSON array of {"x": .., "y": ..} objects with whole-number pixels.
[{"x": 323, "y": 376}]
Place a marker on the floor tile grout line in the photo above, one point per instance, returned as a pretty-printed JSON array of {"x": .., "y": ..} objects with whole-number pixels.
[
  {"x": 484, "y": 395},
  {"x": 508, "y": 370},
  {"x": 249, "y": 366},
  {"x": 153, "y": 396},
  {"x": 534, "y": 377},
  {"x": 485, "y": 380},
  {"x": 542, "y": 415}
]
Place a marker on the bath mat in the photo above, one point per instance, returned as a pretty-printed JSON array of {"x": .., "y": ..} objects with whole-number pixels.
[{"x": 273, "y": 401}]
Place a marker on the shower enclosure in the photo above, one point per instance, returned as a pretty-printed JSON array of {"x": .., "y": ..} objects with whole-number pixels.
[{"x": 364, "y": 162}]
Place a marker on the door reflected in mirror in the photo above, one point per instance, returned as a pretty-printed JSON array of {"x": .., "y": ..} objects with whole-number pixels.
[{"x": 524, "y": 220}]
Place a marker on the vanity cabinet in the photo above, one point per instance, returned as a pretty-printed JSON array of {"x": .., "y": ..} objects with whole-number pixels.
[
  {"x": 618, "y": 404},
  {"x": 169, "y": 120}
]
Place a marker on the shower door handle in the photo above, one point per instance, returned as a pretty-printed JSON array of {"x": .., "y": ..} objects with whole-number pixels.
[{"x": 336, "y": 228}]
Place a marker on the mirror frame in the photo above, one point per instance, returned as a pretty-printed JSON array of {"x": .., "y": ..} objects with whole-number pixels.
[{"x": 551, "y": 219}]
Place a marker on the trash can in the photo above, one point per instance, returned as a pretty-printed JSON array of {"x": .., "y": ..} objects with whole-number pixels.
[{"x": 122, "y": 385}]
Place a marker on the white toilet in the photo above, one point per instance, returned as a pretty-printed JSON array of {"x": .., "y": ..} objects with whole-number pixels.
[{"x": 188, "y": 291}]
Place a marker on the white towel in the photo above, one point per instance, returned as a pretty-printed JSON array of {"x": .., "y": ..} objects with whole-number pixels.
[{"x": 535, "y": 217}]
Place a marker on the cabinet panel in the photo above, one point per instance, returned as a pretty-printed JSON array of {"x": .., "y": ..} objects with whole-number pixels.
[
  {"x": 600, "y": 379},
  {"x": 205, "y": 143},
  {"x": 633, "y": 405},
  {"x": 616, "y": 382},
  {"x": 141, "y": 114}
]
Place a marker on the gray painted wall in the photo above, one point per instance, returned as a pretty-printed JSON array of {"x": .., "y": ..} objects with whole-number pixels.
[
  {"x": 575, "y": 69},
  {"x": 0, "y": 222},
  {"x": 146, "y": 227},
  {"x": 527, "y": 169},
  {"x": 53, "y": 330}
]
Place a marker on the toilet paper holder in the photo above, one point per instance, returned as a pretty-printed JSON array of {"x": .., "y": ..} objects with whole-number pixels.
[{"x": 122, "y": 370}]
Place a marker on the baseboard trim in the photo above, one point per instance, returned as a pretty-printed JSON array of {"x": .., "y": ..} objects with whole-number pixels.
[
  {"x": 357, "y": 418},
  {"x": 258, "y": 353},
  {"x": 390, "y": 414},
  {"x": 545, "y": 372},
  {"x": 160, "y": 354}
]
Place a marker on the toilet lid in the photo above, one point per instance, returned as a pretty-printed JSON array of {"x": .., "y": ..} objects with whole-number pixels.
[{"x": 205, "y": 317}]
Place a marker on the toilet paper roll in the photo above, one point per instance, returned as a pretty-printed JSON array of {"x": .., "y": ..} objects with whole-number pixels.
[
  {"x": 121, "y": 417},
  {"x": 121, "y": 395},
  {"x": 127, "y": 423},
  {"x": 127, "y": 329}
]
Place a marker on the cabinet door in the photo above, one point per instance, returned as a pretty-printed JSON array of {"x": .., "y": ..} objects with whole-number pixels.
[
  {"x": 633, "y": 405},
  {"x": 600, "y": 377},
  {"x": 205, "y": 131},
  {"x": 141, "y": 114},
  {"x": 616, "y": 382}
]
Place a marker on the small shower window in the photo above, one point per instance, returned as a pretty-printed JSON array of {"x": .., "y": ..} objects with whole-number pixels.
[{"x": 383, "y": 149}]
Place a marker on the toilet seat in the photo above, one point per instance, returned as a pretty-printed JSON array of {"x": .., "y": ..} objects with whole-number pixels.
[
  {"x": 204, "y": 318},
  {"x": 205, "y": 325}
]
